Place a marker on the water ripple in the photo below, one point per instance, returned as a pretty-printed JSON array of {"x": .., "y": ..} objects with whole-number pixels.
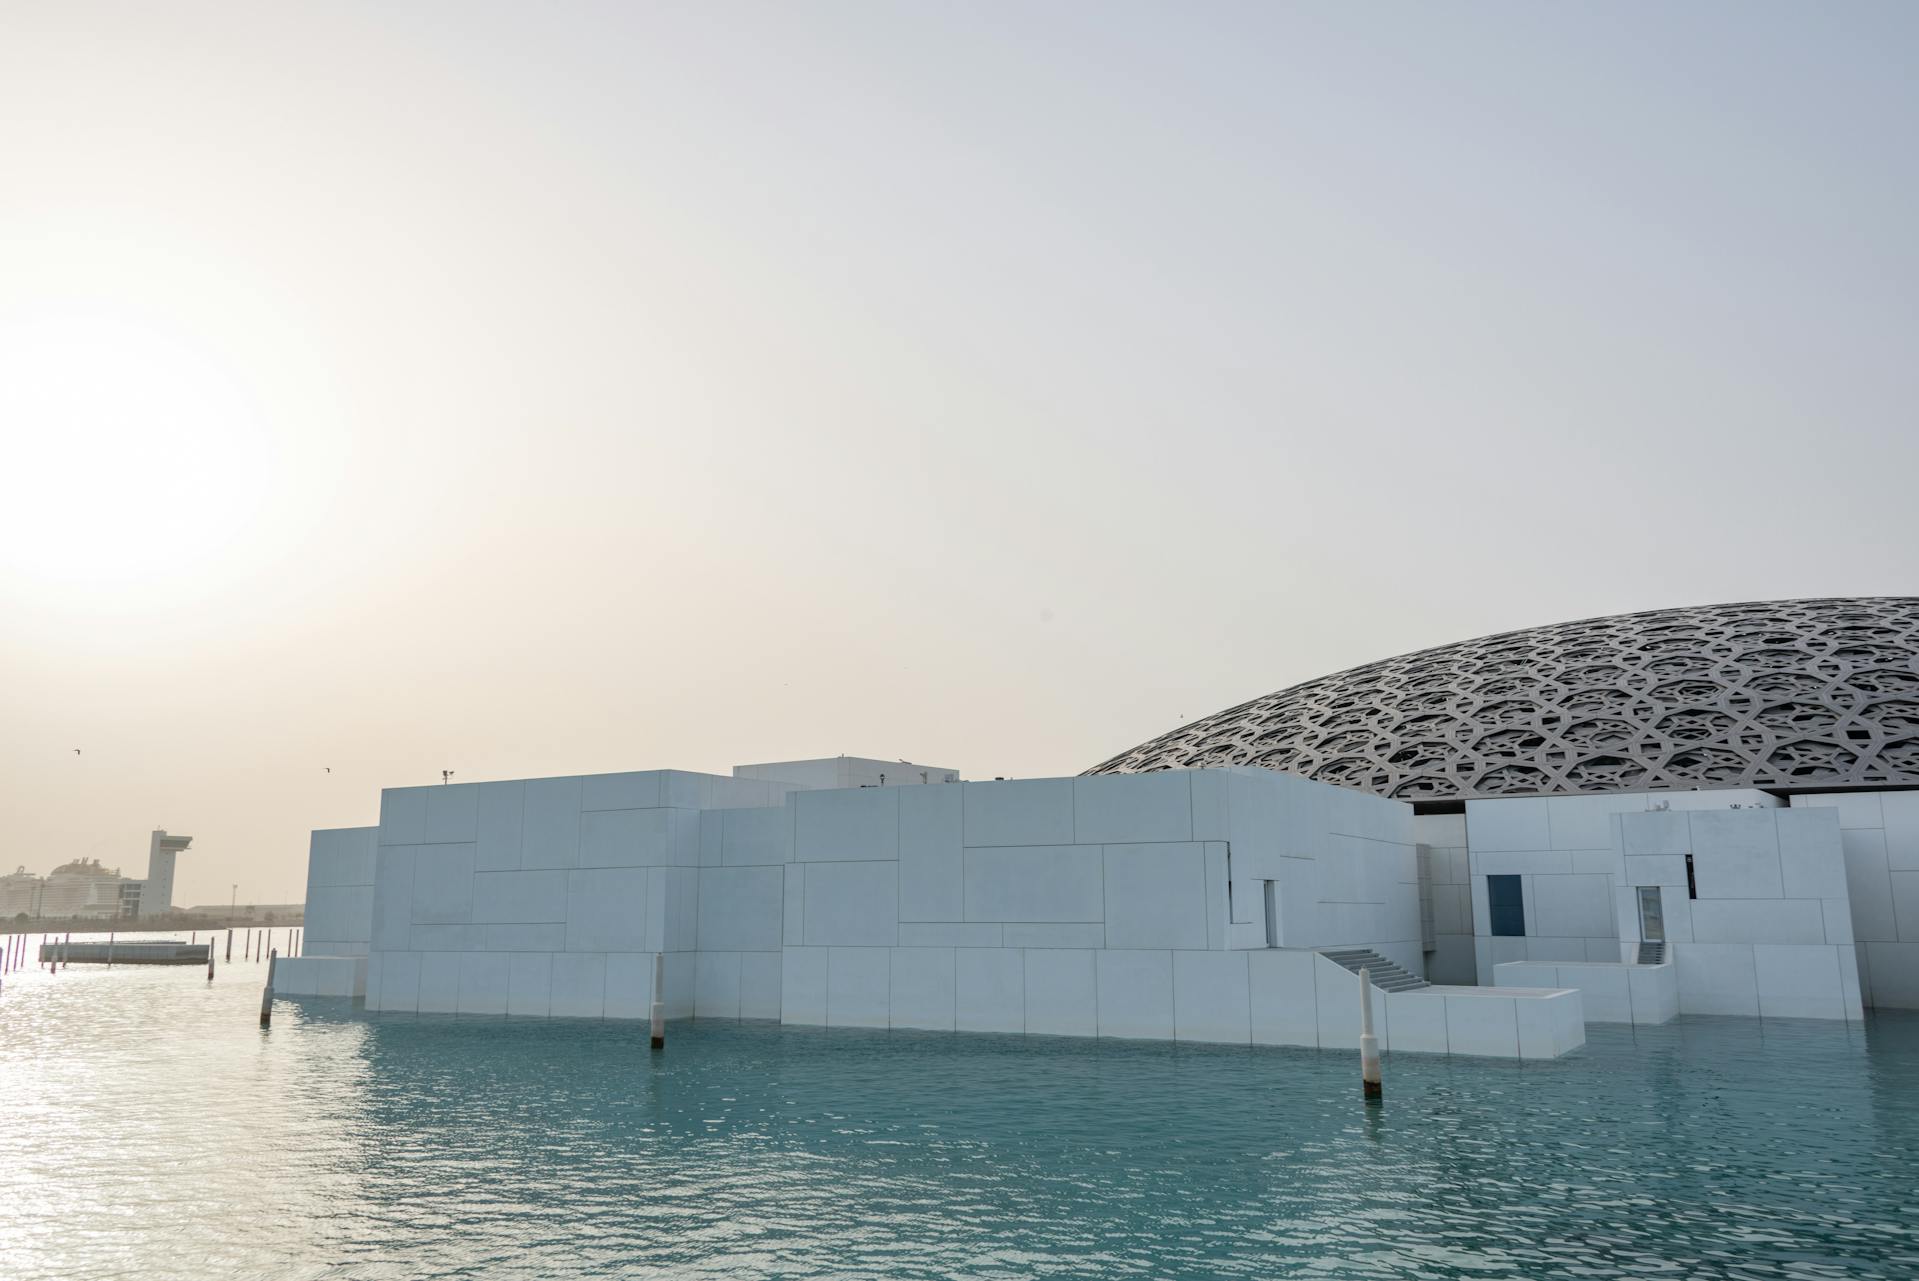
[{"x": 152, "y": 1130}]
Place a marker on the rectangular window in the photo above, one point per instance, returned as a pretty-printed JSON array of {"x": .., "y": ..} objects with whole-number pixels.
[
  {"x": 1507, "y": 906},
  {"x": 1692, "y": 884}
]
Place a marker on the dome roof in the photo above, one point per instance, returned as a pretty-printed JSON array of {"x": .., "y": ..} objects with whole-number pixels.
[{"x": 1803, "y": 694}]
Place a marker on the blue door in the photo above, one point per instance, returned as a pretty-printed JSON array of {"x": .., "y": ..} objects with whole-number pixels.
[{"x": 1507, "y": 905}]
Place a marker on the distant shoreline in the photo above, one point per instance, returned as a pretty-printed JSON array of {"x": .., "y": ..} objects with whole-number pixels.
[{"x": 172, "y": 923}]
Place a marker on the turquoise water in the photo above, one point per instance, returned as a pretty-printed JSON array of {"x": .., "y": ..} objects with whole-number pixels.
[{"x": 149, "y": 1129}]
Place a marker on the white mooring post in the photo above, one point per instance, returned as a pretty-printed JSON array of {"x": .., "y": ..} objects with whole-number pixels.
[
  {"x": 110, "y": 949},
  {"x": 266, "y": 994},
  {"x": 66, "y": 950},
  {"x": 659, "y": 1000},
  {"x": 1368, "y": 1043}
]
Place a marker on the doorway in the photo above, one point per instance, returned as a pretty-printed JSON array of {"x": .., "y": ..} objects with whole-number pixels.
[
  {"x": 1506, "y": 905},
  {"x": 1272, "y": 913},
  {"x": 1652, "y": 916}
]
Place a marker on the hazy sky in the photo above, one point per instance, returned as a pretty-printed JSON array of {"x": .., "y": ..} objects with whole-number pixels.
[{"x": 539, "y": 388}]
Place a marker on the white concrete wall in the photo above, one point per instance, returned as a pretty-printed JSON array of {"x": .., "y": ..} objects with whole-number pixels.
[
  {"x": 1446, "y": 898},
  {"x": 550, "y": 896},
  {"x": 1082, "y": 906},
  {"x": 320, "y": 976},
  {"x": 1522, "y": 1021},
  {"x": 1612, "y": 992},
  {"x": 339, "y": 903},
  {"x": 1770, "y": 933},
  {"x": 1879, "y": 832},
  {"x": 1564, "y": 850}
]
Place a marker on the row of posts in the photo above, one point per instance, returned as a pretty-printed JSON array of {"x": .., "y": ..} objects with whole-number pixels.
[
  {"x": 17, "y": 948},
  {"x": 13, "y": 957}
]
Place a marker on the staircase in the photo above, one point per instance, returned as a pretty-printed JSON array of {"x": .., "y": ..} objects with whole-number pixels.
[
  {"x": 1386, "y": 976},
  {"x": 1652, "y": 954}
]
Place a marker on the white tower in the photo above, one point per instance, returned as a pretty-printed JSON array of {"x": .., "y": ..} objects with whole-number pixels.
[{"x": 157, "y": 895}]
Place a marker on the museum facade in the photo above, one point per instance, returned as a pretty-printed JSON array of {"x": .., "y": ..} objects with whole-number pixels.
[{"x": 1698, "y": 811}]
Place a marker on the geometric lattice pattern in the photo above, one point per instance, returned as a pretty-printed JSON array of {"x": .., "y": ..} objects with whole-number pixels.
[{"x": 1780, "y": 694}]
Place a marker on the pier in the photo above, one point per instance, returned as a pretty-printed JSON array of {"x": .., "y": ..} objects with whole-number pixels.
[{"x": 144, "y": 952}]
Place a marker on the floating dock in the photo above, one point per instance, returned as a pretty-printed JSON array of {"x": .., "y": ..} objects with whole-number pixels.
[{"x": 144, "y": 952}]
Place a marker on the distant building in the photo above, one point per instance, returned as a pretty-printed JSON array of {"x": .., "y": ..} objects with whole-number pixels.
[
  {"x": 82, "y": 888},
  {"x": 156, "y": 897},
  {"x": 20, "y": 893}
]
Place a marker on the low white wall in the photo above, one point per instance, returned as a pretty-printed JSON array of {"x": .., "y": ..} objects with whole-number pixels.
[
  {"x": 1504, "y": 1022},
  {"x": 1270, "y": 997},
  {"x": 320, "y": 976},
  {"x": 1612, "y": 992}
]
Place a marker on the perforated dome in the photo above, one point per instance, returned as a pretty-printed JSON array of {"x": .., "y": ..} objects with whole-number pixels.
[{"x": 1802, "y": 694}]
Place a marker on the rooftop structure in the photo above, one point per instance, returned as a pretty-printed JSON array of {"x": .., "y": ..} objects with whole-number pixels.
[{"x": 1803, "y": 695}]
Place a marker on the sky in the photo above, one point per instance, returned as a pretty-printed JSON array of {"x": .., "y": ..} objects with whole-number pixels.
[{"x": 537, "y": 389}]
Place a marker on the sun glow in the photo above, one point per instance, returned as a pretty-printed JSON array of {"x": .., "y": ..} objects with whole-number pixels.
[{"x": 133, "y": 457}]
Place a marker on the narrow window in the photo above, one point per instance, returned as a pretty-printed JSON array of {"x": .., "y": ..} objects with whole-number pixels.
[
  {"x": 1692, "y": 886},
  {"x": 1507, "y": 906}
]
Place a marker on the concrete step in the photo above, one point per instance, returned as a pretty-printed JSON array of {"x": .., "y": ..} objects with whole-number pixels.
[{"x": 1385, "y": 975}]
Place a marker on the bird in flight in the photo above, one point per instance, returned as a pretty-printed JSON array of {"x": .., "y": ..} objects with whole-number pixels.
[{"x": 76, "y": 751}]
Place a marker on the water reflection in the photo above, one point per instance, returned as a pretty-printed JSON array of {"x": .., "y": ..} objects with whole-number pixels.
[{"x": 160, "y": 1134}]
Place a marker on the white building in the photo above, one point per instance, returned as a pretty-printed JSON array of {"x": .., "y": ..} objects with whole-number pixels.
[
  {"x": 1194, "y": 905},
  {"x": 1747, "y": 898},
  {"x": 20, "y": 892},
  {"x": 156, "y": 893},
  {"x": 1687, "y": 812},
  {"x": 1518, "y": 750}
]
